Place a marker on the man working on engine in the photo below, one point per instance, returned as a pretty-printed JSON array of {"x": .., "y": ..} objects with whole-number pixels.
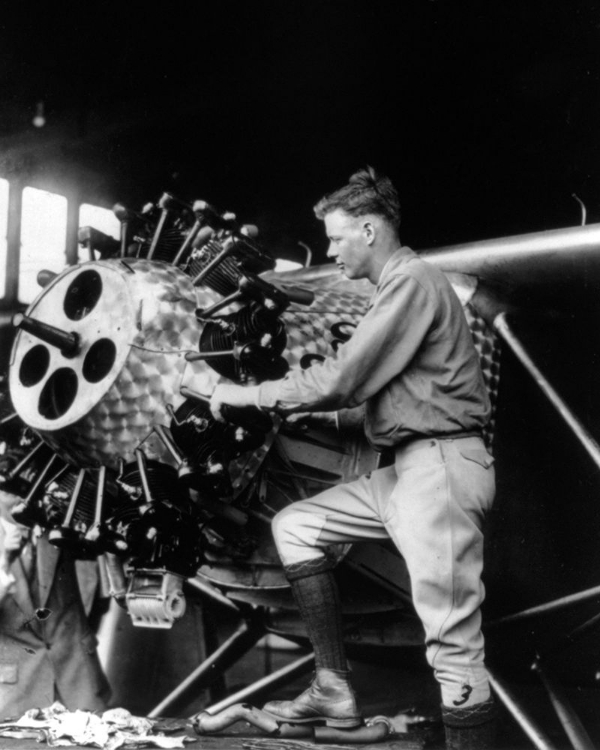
[{"x": 412, "y": 362}]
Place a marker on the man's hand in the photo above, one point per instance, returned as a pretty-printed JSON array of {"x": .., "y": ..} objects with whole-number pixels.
[
  {"x": 304, "y": 420},
  {"x": 14, "y": 538},
  {"x": 232, "y": 395}
]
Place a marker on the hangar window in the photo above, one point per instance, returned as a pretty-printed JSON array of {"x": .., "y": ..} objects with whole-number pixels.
[
  {"x": 43, "y": 238},
  {"x": 3, "y": 234}
]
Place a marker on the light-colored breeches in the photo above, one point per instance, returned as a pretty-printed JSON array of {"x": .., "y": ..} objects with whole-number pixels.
[{"x": 431, "y": 503}]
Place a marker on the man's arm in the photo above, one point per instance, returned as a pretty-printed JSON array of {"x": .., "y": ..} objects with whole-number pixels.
[{"x": 383, "y": 344}]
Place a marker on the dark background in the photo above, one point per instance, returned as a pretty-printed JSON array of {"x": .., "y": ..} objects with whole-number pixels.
[{"x": 485, "y": 114}]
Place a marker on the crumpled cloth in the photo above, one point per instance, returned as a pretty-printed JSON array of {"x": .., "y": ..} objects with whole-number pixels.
[{"x": 112, "y": 729}]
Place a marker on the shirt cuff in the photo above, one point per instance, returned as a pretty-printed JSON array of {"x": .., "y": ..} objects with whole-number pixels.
[{"x": 267, "y": 394}]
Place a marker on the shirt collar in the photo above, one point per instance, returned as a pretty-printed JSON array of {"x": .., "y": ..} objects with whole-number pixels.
[{"x": 402, "y": 255}]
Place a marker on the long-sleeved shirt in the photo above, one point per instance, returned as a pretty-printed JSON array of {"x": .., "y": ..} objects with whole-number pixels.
[{"x": 411, "y": 359}]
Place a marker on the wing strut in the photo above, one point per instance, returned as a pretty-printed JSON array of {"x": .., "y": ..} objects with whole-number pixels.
[
  {"x": 504, "y": 329},
  {"x": 537, "y": 736}
]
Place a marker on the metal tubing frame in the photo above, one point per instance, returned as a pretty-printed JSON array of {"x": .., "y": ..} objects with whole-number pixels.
[
  {"x": 504, "y": 329},
  {"x": 537, "y": 736},
  {"x": 283, "y": 675},
  {"x": 239, "y": 643},
  {"x": 569, "y": 720},
  {"x": 502, "y": 326},
  {"x": 578, "y": 632},
  {"x": 213, "y": 593},
  {"x": 541, "y": 609},
  {"x": 566, "y": 715}
]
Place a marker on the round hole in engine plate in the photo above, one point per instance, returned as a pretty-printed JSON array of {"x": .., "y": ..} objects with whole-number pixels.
[
  {"x": 99, "y": 360},
  {"x": 58, "y": 393},
  {"x": 82, "y": 295},
  {"x": 34, "y": 365}
]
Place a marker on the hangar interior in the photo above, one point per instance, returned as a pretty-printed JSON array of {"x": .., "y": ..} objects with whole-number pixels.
[{"x": 486, "y": 117}]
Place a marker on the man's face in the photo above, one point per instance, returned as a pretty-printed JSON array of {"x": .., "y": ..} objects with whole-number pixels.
[{"x": 348, "y": 245}]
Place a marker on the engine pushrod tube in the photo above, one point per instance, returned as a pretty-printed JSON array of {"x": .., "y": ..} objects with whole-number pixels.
[
  {"x": 205, "y": 314},
  {"x": 195, "y": 356},
  {"x": 198, "y": 279},
  {"x": 537, "y": 736},
  {"x": 140, "y": 458},
  {"x": 100, "y": 491},
  {"x": 68, "y": 343},
  {"x": 74, "y": 499},
  {"x": 504, "y": 329},
  {"x": 169, "y": 443},
  {"x": 123, "y": 239},
  {"x": 25, "y": 461},
  {"x": 187, "y": 243},
  {"x": 21, "y": 512},
  {"x": 158, "y": 232},
  {"x": 194, "y": 395},
  {"x": 41, "y": 478}
]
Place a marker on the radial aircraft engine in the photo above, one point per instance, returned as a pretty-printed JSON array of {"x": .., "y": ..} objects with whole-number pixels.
[
  {"x": 111, "y": 446},
  {"x": 113, "y": 449},
  {"x": 110, "y": 374}
]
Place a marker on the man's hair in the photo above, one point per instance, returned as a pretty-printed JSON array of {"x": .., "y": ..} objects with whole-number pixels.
[{"x": 367, "y": 192}]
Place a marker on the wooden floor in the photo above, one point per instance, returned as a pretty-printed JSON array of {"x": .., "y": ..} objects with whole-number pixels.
[{"x": 384, "y": 689}]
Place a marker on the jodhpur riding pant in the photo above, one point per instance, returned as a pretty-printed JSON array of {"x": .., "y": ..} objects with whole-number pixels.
[{"x": 431, "y": 503}]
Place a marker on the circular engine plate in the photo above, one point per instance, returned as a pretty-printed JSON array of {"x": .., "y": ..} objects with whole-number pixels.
[{"x": 135, "y": 321}]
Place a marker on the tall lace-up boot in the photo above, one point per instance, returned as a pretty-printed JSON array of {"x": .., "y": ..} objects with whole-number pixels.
[
  {"x": 471, "y": 728},
  {"x": 330, "y": 697}
]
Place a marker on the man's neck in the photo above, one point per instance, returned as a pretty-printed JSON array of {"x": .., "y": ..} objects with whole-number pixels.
[{"x": 382, "y": 257}]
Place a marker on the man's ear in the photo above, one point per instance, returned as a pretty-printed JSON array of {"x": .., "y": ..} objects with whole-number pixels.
[{"x": 369, "y": 232}]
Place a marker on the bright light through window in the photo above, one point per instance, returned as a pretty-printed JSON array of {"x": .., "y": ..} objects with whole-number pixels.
[
  {"x": 286, "y": 265},
  {"x": 99, "y": 218},
  {"x": 3, "y": 230},
  {"x": 43, "y": 238}
]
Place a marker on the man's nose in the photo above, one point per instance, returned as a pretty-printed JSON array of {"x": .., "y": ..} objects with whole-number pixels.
[{"x": 331, "y": 250}]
